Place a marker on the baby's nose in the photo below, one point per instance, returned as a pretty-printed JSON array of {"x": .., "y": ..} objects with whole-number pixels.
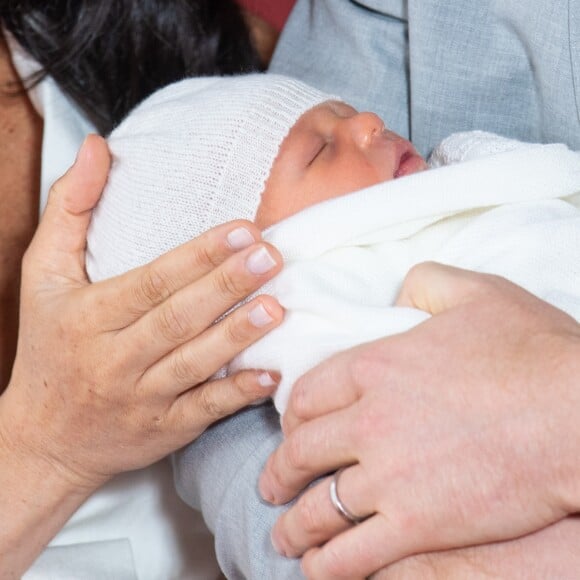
[{"x": 364, "y": 127}]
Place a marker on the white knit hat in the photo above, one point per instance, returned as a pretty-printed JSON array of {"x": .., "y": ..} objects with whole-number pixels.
[{"x": 193, "y": 155}]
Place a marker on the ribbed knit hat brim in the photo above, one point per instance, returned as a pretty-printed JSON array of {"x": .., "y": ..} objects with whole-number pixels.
[{"x": 193, "y": 155}]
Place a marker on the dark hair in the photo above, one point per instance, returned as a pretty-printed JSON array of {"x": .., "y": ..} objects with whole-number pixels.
[{"x": 108, "y": 55}]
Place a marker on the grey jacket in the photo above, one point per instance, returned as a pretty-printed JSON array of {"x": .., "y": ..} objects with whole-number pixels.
[{"x": 429, "y": 68}]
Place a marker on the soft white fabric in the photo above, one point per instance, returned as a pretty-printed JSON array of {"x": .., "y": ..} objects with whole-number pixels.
[
  {"x": 214, "y": 138},
  {"x": 510, "y": 213},
  {"x": 135, "y": 527},
  {"x": 496, "y": 211}
]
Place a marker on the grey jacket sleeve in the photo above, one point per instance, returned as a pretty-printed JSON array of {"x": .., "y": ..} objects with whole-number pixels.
[{"x": 218, "y": 474}]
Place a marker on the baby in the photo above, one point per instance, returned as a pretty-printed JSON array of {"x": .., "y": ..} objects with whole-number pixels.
[
  {"x": 209, "y": 150},
  {"x": 264, "y": 148}
]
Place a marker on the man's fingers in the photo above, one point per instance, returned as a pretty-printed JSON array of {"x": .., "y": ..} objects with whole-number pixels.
[
  {"x": 435, "y": 288},
  {"x": 356, "y": 553},
  {"x": 327, "y": 388},
  {"x": 196, "y": 361},
  {"x": 314, "y": 520},
  {"x": 58, "y": 248},
  {"x": 315, "y": 448},
  {"x": 140, "y": 290}
]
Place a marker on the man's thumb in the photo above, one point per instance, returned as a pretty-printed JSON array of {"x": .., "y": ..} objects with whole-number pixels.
[{"x": 434, "y": 287}]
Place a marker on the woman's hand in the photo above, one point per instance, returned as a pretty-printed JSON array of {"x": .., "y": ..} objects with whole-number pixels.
[
  {"x": 113, "y": 376},
  {"x": 464, "y": 430}
]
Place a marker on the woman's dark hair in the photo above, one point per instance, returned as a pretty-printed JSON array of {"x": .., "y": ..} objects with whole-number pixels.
[{"x": 108, "y": 55}]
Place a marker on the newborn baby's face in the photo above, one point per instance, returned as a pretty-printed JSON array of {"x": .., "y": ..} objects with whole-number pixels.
[{"x": 330, "y": 151}]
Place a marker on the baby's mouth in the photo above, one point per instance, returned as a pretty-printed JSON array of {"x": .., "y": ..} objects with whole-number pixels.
[
  {"x": 410, "y": 162},
  {"x": 400, "y": 168}
]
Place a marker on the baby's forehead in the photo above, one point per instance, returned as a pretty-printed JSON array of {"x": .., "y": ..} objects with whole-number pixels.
[
  {"x": 332, "y": 107},
  {"x": 315, "y": 120}
]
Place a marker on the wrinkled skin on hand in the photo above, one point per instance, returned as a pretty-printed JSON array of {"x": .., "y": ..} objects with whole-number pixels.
[{"x": 462, "y": 431}]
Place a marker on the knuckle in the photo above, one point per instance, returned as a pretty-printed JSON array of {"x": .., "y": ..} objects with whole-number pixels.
[
  {"x": 372, "y": 365},
  {"x": 226, "y": 285},
  {"x": 309, "y": 514},
  {"x": 333, "y": 561},
  {"x": 209, "y": 406},
  {"x": 244, "y": 383},
  {"x": 170, "y": 325},
  {"x": 186, "y": 369},
  {"x": 236, "y": 333},
  {"x": 202, "y": 256},
  {"x": 273, "y": 469},
  {"x": 295, "y": 452},
  {"x": 298, "y": 400},
  {"x": 368, "y": 427},
  {"x": 153, "y": 287}
]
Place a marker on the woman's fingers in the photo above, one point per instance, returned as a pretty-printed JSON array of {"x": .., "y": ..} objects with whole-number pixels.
[
  {"x": 199, "y": 407},
  {"x": 58, "y": 247},
  {"x": 315, "y": 448},
  {"x": 139, "y": 291},
  {"x": 199, "y": 359},
  {"x": 313, "y": 520},
  {"x": 189, "y": 312}
]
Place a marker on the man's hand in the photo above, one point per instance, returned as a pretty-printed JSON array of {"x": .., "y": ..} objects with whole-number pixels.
[{"x": 464, "y": 430}]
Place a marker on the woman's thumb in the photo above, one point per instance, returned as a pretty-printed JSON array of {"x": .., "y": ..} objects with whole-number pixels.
[{"x": 58, "y": 246}]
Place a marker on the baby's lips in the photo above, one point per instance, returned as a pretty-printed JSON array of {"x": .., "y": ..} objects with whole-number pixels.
[{"x": 409, "y": 163}]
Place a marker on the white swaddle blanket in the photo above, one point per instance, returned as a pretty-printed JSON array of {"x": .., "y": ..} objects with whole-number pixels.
[
  {"x": 509, "y": 208},
  {"x": 511, "y": 213}
]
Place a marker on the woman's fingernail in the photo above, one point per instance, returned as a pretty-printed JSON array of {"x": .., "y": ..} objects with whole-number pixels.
[
  {"x": 260, "y": 261},
  {"x": 240, "y": 238},
  {"x": 266, "y": 380},
  {"x": 259, "y": 316}
]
